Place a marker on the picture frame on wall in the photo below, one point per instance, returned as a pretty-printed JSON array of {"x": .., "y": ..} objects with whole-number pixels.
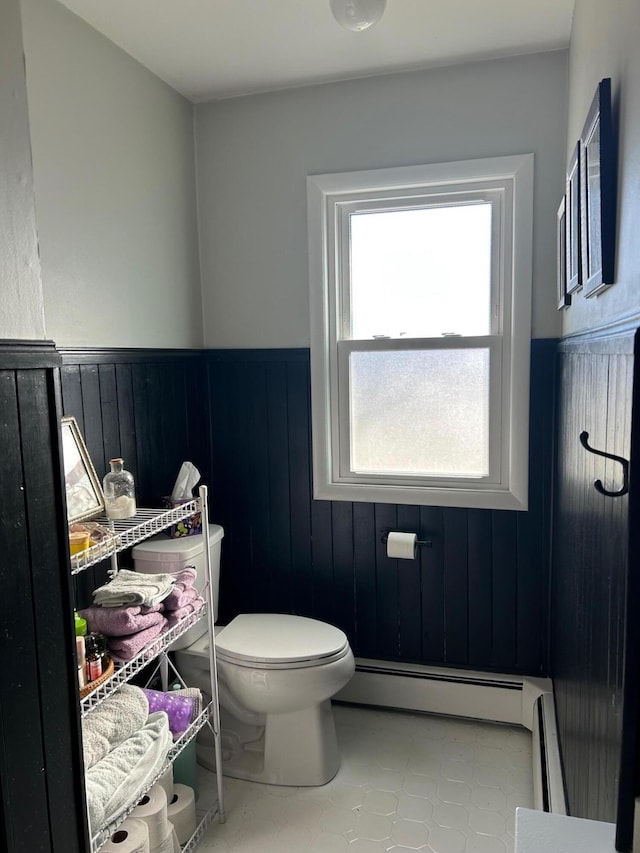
[
  {"x": 573, "y": 270},
  {"x": 85, "y": 499},
  {"x": 597, "y": 193},
  {"x": 564, "y": 298}
]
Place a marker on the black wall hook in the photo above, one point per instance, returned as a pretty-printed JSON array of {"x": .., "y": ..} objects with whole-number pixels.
[{"x": 597, "y": 484}]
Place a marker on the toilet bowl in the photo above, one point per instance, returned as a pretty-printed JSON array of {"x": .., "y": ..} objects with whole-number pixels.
[{"x": 276, "y": 676}]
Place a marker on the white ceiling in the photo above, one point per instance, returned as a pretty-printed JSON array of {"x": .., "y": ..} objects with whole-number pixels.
[{"x": 210, "y": 49}]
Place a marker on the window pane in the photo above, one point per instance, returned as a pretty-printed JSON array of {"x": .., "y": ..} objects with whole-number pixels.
[
  {"x": 421, "y": 273},
  {"x": 420, "y": 412}
]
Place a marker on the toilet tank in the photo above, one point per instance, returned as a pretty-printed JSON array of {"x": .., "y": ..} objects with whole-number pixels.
[{"x": 162, "y": 555}]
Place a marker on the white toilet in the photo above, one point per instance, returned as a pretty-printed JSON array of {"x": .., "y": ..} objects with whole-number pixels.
[{"x": 276, "y": 676}]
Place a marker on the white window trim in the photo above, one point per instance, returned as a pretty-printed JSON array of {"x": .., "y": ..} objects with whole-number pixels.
[{"x": 327, "y": 194}]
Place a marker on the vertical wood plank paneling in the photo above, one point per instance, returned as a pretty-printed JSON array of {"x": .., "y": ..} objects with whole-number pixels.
[
  {"x": 50, "y": 588},
  {"x": 504, "y": 574},
  {"x": 364, "y": 564},
  {"x": 92, "y": 417},
  {"x": 72, "y": 393},
  {"x": 19, "y": 693},
  {"x": 480, "y": 586},
  {"x": 109, "y": 412},
  {"x": 388, "y": 639},
  {"x": 298, "y": 403},
  {"x": 343, "y": 566},
  {"x": 433, "y": 586},
  {"x": 590, "y": 571},
  {"x": 461, "y": 603},
  {"x": 456, "y": 589},
  {"x": 322, "y": 561},
  {"x": 40, "y": 764},
  {"x": 281, "y": 589},
  {"x": 126, "y": 418},
  {"x": 410, "y": 589}
]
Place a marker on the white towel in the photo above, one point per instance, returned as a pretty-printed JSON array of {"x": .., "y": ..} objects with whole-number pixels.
[
  {"x": 134, "y": 588},
  {"x": 116, "y": 719},
  {"x": 124, "y": 774}
]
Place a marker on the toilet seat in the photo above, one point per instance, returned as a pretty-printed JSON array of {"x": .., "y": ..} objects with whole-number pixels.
[{"x": 280, "y": 641}]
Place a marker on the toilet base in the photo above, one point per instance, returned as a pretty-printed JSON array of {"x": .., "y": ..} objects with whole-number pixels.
[{"x": 298, "y": 749}]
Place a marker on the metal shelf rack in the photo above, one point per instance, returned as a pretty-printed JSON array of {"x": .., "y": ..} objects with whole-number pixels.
[{"x": 125, "y": 534}]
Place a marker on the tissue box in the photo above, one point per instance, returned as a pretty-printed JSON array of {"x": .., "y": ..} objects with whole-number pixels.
[{"x": 188, "y": 526}]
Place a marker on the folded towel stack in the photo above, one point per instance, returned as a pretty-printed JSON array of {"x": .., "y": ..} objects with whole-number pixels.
[
  {"x": 183, "y": 599},
  {"x": 134, "y": 609},
  {"x": 129, "y": 588}
]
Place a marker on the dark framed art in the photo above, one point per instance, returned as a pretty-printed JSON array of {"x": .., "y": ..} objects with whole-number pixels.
[
  {"x": 564, "y": 298},
  {"x": 597, "y": 193},
  {"x": 572, "y": 224}
]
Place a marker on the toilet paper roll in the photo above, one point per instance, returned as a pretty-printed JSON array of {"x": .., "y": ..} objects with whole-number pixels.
[
  {"x": 176, "y": 843},
  {"x": 131, "y": 837},
  {"x": 181, "y": 811},
  {"x": 166, "y": 845},
  {"x": 152, "y": 809},
  {"x": 166, "y": 781},
  {"x": 401, "y": 546}
]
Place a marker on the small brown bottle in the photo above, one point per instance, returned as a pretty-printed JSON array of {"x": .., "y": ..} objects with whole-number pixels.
[{"x": 93, "y": 657}]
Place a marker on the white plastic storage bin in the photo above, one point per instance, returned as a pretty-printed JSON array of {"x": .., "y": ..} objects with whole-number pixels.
[{"x": 160, "y": 554}]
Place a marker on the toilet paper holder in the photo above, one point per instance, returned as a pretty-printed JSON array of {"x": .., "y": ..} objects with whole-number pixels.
[{"x": 384, "y": 535}]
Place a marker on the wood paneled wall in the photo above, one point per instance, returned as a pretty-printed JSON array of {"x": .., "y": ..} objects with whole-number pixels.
[
  {"x": 477, "y": 598},
  {"x": 149, "y": 407},
  {"x": 42, "y": 794},
  {"x": 590, "y": 569}
]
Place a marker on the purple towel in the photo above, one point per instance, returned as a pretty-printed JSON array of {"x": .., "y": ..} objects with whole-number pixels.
[
  {"x": 178, "y": 599},
  {"x": 124, "y": 648},
  {"x": 174, "y": 616},
  {"x": 179, "y": 709},
  {"x": 121, "y": 621}
]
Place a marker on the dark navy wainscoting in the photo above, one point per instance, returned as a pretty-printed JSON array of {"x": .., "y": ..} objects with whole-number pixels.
[
  {"x": 150, "y": 407},
  {"x": 477, "y": 598},
  {"x": 41, "y": 778},
  {"x": 590, "y": 570}
]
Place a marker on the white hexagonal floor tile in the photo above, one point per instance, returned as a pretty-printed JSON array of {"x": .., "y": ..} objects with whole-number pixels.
[
  {"x": 380, "y": 802},
  {"x": 408, "y": 782},
  {"x": 444, "y": 840},
  {"x": 410, "y": 833}
]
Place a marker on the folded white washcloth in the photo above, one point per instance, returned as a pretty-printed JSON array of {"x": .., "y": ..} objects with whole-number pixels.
[
  {"x": 134, "y": 588},
  {"x": 116, "y": 719},
  {"x": 124, "y": 774}
]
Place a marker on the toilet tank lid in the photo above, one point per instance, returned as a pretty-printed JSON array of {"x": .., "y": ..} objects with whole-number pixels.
[
  {"x": 277, "y": 637},
  {"x": 162, "y": 548}
]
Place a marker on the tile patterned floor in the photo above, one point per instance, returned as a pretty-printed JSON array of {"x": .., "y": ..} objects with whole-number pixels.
[{"x": 407, "y": 782}]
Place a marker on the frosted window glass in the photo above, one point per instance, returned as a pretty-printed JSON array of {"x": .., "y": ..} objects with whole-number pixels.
[
  {"x": 421, "y": 273},
  {"x": 420, "y": 412}
]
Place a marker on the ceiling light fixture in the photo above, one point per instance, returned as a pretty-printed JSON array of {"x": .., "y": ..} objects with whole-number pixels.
[{"x": 357, "y": 15}]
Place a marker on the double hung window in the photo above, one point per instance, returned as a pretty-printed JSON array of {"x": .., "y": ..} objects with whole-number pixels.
[{"x": 420, "y": 293}]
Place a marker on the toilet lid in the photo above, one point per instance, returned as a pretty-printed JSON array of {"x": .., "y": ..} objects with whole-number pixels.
[{"x": 278, "y": 639}]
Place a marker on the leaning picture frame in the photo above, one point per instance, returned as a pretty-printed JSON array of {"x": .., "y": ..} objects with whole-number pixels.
[
  {"x": 564, "y": 298},
  {"x": 597, "y": 193},
  {"x": 83, "y": 490},
  {"x": 572, "y": 224}
]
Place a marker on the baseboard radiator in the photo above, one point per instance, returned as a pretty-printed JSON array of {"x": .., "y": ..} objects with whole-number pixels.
[{"x": 493, "y": 697}]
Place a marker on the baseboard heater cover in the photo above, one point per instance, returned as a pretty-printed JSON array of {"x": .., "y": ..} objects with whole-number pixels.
[
  {"x": 548, "y": 784},
  {"x": 487, "y": 696},
  {"x": 458, "y": 693}
]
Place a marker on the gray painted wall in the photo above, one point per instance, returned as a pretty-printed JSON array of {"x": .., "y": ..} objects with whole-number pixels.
[
  {"x": 254, "y": 153},
  {"x": 604, "y": 43},
  {"x": 114, "y": 173},
  {"x": 21, "y": 307}
]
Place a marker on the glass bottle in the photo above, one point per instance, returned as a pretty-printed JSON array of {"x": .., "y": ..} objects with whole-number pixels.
[
  {"x": 93, "y": 659},
  {"x": 119, "y": 491}
]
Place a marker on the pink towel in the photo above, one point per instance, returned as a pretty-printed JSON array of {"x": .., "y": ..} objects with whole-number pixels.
[
  {"x": 122, "y": 621},
  {"x": 174, "y": 616},
  {"x": 177, "y": 599},
  {"x": 125, "y": 648}
]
